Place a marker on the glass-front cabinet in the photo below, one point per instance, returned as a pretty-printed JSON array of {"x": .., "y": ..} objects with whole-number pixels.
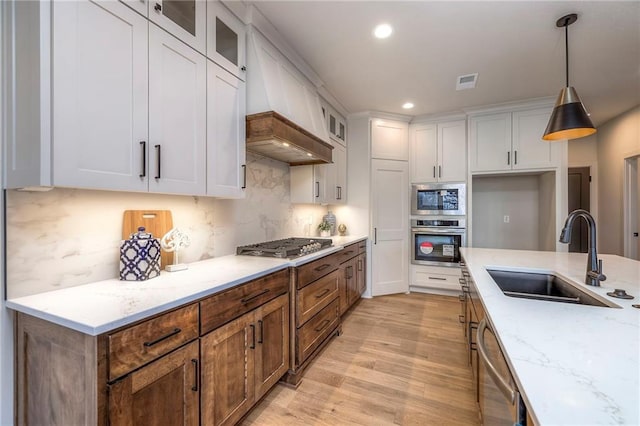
[
  {"x": 226, "y": 39},
  {"x": 185, "y": 19}
]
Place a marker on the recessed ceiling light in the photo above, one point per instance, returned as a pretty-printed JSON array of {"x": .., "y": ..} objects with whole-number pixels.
[
  {"x": 407, "y": 105},
  {"x": 383, "y": 31}
]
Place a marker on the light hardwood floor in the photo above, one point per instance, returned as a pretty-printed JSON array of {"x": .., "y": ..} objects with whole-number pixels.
[{"x": 400, "y": 360}]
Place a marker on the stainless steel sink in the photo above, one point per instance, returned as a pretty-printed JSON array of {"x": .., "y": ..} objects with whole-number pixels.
[{"x": 541, "y": 286}]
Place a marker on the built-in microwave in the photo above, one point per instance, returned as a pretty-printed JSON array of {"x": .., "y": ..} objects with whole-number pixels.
[{"x": 438, "y": 199}]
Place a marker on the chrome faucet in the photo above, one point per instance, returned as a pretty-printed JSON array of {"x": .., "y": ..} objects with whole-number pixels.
[{"x": 594, "y": 266}]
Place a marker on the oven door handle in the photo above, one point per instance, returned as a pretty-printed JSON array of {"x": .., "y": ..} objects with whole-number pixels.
[
  {"x": 456, "y": 231},
  {"x": 508, "y": 391}
]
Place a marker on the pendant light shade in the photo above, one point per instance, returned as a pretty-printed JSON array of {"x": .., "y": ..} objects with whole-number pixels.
[{"x": 569, "y": 119}]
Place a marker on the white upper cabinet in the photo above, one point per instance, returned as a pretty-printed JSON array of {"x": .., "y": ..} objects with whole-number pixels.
[
  {"x": 529, "y": 150},
  {"x": 185, "y": 19},
  {"x": 511, "y": 141},
  {"x": 438, "y": 152},
  {"x": 100, "y": 96},
  {"x": 226, "y": 39},
  {"x": 226, "y": 169},
  {"x": 177, "y": 115},
  {"x": 340, "y": 161},
  {"x": 389, "y": 140}
]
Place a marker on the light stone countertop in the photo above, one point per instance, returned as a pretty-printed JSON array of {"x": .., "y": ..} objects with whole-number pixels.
[
  {"x": 573, "y": 364},
  {"x": 103, "y": 306}
]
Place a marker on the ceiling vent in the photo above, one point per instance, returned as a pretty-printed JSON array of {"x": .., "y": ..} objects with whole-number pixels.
[{"x": 466, "y": 81}]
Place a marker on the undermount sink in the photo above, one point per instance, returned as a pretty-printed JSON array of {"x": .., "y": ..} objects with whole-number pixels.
[{"x": 542, "y": 286}]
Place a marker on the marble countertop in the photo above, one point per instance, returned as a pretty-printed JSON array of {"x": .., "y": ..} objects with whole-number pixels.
[
  {"x": 574, "y": 364},
  {"x": 103, "y": 306}
]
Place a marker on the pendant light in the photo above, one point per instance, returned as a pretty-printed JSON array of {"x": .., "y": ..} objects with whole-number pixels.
[{"x": 569, "y": 119}]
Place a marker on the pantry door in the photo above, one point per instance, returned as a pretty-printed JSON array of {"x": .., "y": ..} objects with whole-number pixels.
[{"x": 390, "y": 232}]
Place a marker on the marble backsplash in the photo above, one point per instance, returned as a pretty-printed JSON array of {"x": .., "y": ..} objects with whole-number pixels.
[{"x": 68, "y": 237}]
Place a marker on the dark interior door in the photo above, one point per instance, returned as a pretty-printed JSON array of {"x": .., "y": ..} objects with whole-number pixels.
[{"x": 579, "y": 181}]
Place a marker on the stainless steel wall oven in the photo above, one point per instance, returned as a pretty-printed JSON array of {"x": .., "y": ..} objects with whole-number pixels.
[{"x": 437, "y": 241}]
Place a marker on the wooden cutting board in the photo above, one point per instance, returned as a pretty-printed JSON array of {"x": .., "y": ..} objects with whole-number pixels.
[{"x": 156, "y": 222}]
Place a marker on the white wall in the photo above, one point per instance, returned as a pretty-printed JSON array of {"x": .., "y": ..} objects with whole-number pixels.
[
  {"x": 617, "y": 139},
  {"x": 68, "y": 237},
  {"x": 516, "y": 196},
  {"x": 583, "y": 152}
]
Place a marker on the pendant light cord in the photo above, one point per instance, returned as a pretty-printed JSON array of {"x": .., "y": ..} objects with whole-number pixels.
[{"x": 566, "y": 48}]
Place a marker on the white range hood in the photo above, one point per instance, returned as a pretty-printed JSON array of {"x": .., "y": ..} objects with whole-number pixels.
[{"x": 284, "y": 115}]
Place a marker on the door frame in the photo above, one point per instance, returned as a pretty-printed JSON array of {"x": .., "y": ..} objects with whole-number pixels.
[{"x": 630, "y": 188}]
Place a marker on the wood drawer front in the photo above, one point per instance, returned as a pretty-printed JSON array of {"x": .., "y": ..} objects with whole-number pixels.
[
  {"x": 313, "y": 333},
  {"x": 230, "y": 304},
  {"x": 362, "y": 246},
  {"x": 316, "y": 296},
  {"x": 312, "y": 271},
  {"x": 137, "y": 345},
  {"x": 348, "y": 252}
]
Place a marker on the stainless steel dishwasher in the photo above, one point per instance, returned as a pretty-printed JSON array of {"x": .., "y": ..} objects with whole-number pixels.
[{"x": 499, "y": 399}]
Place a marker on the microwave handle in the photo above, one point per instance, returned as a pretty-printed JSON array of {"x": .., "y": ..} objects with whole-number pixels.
[{"x": 509, "y": 392}]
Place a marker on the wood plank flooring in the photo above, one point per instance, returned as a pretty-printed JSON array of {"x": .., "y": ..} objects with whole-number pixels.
[{"x": 401, "y": 360}]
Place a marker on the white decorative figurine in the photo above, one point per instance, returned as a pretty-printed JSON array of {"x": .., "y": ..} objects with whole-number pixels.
[{"x": 174, "y": 241}]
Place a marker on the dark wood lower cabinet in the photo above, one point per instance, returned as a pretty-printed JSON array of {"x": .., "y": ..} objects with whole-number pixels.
[
  {"x": 165, "y": 392},
  {"x": 242, "y": 360}
]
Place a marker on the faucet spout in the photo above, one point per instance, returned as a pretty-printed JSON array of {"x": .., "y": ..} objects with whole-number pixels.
[{"x": 594, "y": 267}]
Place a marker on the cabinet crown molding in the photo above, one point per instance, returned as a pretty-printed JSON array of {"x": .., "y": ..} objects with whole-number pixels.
[
  {"x": 438, "y": 118},
  {"x": 512, "y": 106},
  {"x": 380, "y": 115}
]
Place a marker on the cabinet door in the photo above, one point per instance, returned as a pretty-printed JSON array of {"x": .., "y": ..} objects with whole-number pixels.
[
  {"x": 226, "y": 169},
  {"x": 490, "y": 142},
  {"x": 424, "y": 153},
  {"x": 177, "y": 115},
  {"x": 164, "y": 392},
  {"x": 329, "y": 172},
  {"x": 452, "y": 151},
  {"x": 390, "y": 212},
  {"x": 343, "y": 291},
  {"x": 272, "y": 344},
  {"x": 361, "y": 273},
  {"x": 100, "y": 95},
  {"x": 183, "y": 19},
  {"x": 389, "y": 140},
  {"x": 227, "y": 357},
  {"x": 226, "y": 36},
  {"x": 529, "y": 150},
  {"x": 140, "y": 6},
  {"x": 352, "y": 281},
  {"x": 340, "y": 161}
]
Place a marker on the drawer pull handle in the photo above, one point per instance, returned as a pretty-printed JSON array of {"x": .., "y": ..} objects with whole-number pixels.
[
  {"x": 319, "y": 295},
  {"x": 143, "y": 172},
  {"x": 261, "y": 338},
  {"x": 323, "y": 267},
  {"x": 250, "y": 298},
  {"x": 253, "y": 336},
  {"x": 322, "y": 325},
  {"x": 360, "y": 264},
  {"x": 437, "y": 278},
  {"x": 462, "y": 281},
  {"x": 160, "y": 339},
  {"x": 346, "y": 253},
  {"x": 461, "y": 319},
  {"x": 195, "y": 375}
]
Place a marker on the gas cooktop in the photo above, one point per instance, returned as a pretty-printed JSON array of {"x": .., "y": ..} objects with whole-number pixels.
[{"x": 285, "y": 248}]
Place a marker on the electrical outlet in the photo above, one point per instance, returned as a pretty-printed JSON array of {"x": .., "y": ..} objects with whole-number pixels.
[{"x": 506, "y": 218}]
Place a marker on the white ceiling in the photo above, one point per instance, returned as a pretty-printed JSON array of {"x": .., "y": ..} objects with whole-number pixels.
[{"x": 514, "y": 46}]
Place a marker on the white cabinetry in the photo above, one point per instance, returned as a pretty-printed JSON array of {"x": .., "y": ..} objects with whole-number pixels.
[
  {"x": 511, "y": 141},
  {"x": 321, "y": 183},
  {"x": 389, "y": 217},
  {"x": 226, "y": 39},
  {"x": 100, "y": 121},
  {"x": 337, "y": 126},
  {"x": 226, "y": 169},
  {"x": 438, "y": 152},
  {"x": 389, "y": 140},
  {"x": 185, "y": 19},
  {"x": 430, "y": 278},
  {"x": 177, "y": 115}
]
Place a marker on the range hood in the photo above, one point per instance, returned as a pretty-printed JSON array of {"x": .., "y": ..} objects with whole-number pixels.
[{"x": 284, "y": 115}]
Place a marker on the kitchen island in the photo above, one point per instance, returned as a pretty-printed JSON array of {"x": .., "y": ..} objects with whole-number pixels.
[{"x": 573, "y": 364}]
